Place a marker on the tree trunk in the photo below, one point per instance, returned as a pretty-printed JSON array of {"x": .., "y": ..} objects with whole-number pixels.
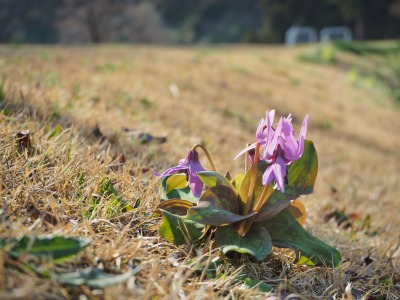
[
  {"x": 359, "y": 29},
  {"x": 93, "y": 25}
]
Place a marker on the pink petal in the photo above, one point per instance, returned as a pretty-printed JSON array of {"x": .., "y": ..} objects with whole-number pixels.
[
  {"x": 252, "y": 146},
  {"x": 195, "y": 166},
  {"x": 302, "y": 136},
  {"x": 273, "y": 144},
  {"x": 260, "y": 131},
  {"x": 289, "y": 144},
  {"x": 268, "y": 175},
  {"x": 280, "y": 172},
  {"x": 270, "y": 117}
]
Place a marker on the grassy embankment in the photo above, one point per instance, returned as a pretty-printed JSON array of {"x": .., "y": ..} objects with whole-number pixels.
[{"x": 77, "y": 103}]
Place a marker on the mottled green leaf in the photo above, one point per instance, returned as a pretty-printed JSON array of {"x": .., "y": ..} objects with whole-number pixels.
[
  {"x": 94, "y": 278},
  {"x": 179, "y": 230},
  {"x": 301, "y": 178},
  {"x": 47, "y": 247},
  {"x": 184, "y": 193},
  {"x": 257, "y": 242},
  {"x": 211, "y": 179},
  {"x": 275, "y": 204},
  {"x": 303, "y": 172},
  {"x": 286, "y": 232},
  {"x": 177, "y": 181},
  {"x": 217, "y": 206}
]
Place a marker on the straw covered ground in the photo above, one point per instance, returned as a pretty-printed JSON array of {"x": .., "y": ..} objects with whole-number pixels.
[{"x": 73, "y": 118}]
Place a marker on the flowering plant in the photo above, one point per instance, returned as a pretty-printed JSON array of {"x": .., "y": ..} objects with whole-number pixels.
[{"x": 254, "y": 210}]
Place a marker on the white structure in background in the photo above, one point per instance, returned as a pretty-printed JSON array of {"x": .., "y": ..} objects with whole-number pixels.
[
  {"x": 335, "y": 34},
  {"x": 300, "y": 35}
]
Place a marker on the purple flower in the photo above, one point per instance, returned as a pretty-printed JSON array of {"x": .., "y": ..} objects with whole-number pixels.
[
  {"x": 190, "y": 165},
  {"x": 280, "y": 147},
  {"x": 264, "y": 134},
  {"x": 281, "y": 150}
]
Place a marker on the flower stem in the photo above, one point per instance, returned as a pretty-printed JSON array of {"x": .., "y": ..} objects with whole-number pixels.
[
  {"x": 249, "y": 202},
  {"x": 245, "y": 225},
  {"x": 246, "y": 161},
  {"x": 266, "y": 193},
  {"x": 207, "y": 154}
]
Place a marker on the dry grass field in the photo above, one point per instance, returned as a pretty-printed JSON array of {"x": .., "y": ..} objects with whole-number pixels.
[{"x": 84, "y": 107}]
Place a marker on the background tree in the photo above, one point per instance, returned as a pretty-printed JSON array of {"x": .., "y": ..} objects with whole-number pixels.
[
  {"x": 98, "y": 21},
  {"x": 369, "y": 19},
  {"x": 28, "y": 21},
  {"x": 212, "y": 21}
]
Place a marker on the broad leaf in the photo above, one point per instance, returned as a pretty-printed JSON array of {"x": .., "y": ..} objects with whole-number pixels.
[
  {"x": 257, "y": 242},
  {"x": 175, "y": 206},
  {"x": 301, "y": 178},
  {"x": 212, "y": 179},
  {"x": 217, "y": 206},
  {"x": 48, "y": 247},
  {"x": 179, "y": 230},
  {"x": 177, "y": 181},
  {"x": 184, "y": 193},
  {"x": 94, "y": 278},
  {"x": 303, "y": 172},
  {"x": 274, "y": 205},
  {"x": 286, "y": 232}
]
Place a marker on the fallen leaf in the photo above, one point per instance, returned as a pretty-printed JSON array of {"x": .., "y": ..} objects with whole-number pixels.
[
  {"x": 24, "y": 142},
  {"x": 144, "y": 137},
  {"x": 96, "y": 132}
]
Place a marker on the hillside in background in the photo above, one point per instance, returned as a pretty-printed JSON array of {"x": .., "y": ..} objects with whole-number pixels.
[{"x": 113, "y": 96}]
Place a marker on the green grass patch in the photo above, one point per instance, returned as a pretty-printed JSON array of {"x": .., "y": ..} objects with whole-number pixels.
[
  {"x": 324, "y": 54},
  {"x": 366, "y": 48}
]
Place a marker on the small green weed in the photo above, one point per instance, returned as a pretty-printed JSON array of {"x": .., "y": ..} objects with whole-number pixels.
[
  {"x": 322, "y": 54},
  {"x": 52, "y": 79},
  {"x": 108, "y": 67},
  {"x": 233, "y": 114},
  {"x": 146, "y": 103},
  {"x": 115, "y": 203},
  {"x": 355, "y": 78}
]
